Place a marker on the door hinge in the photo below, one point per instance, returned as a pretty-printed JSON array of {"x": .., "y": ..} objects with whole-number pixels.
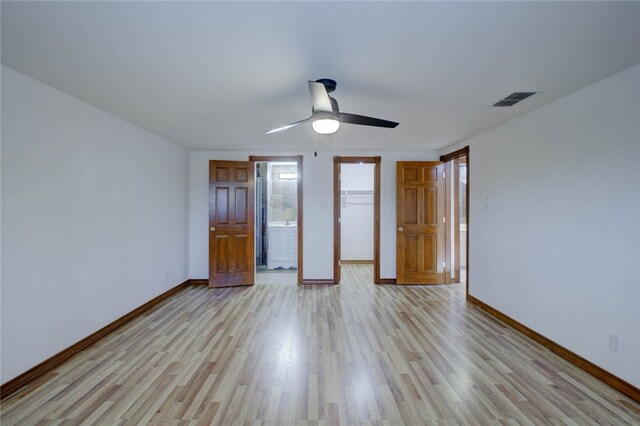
[
  {"x": 339, "y": 262},
  {"x": 444, "y": 219},
  {"x": 339, "y": 220},
  {"x": 444, "y": 174},
  {"x": 444, "y": 265}
]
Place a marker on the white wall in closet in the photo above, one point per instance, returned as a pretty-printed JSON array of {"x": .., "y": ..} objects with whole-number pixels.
[{"x": 356, "y": 211}]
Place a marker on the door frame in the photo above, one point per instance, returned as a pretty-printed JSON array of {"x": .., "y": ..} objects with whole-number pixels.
[
  {"x": 289, "y": 159},
  {"x": 337, "y": 162},
  {"x": 449, "y": 216},
  {"x": 452, "y": 192},
  {"x": 456, "y": 217},
  {"x": 463, "y": 152}
]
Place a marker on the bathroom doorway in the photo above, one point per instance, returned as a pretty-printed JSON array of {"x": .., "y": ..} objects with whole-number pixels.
[
  {"x": 278, "y": 220},
  {"x": 457, "y": 182}
]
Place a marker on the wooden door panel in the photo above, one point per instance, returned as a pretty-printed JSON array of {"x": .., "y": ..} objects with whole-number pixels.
[
  {"x": 430, "y": 206},
  {"x": 231, "y": 223},
  {"x": 410, "y": 206},
  {"x": 231, "y": 253},
  {"x": 222, "y": 174},
  {"x": 242, "y": 203},
  {"x": 410, "y": 174},
  {"x": 221, "y": 216},
  {"x": 420, "y": 253},
  {"x": 220, "y": 259},
  {"x": 420, "y": 220},
  {"x": 431, "y": 173},
  {"x": 242, "y": 174},
  {"x": 430, "y": 253},
  {"x": 410, "y": 245},
  {"x": 240, "y": 243}
]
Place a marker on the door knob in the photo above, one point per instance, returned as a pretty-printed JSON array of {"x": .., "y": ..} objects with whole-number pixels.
[
  {"x": 400, "y": 229},
  {"x": 212, "y": 229}
]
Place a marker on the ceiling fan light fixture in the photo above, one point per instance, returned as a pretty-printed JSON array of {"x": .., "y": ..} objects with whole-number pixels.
[
  {"x": 326, "y": 126},
  {"x": 325, "y": 114}
]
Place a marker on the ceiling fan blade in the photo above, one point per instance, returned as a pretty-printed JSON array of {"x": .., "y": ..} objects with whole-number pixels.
[
  {"x": 288, "y": 126},
  {"x": 319, "y": 97},
  {"x": 345, "y": 117}
]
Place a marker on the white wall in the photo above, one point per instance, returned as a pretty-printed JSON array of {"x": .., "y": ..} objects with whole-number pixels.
[
  {"x": 318, "y": 207},
  {"x": 356, "y": 212},
  {"x": 357, "y": 177},
  {"x": 94, "y": 216},
  {"x": 559, "y": 247}
]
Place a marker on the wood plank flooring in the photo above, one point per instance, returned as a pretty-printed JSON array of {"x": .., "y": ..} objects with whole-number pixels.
[
  {"x": 312, "y": 355},
  {"x": 276, "y": 277}
]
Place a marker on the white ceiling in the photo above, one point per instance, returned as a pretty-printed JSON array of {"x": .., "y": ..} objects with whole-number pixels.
[{"x": 216, "y": 75}]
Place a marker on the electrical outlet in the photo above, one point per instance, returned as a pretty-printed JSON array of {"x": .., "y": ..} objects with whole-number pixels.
[
  {"x": 487, "y": 202},
  {"x": 615, "y": 343}
]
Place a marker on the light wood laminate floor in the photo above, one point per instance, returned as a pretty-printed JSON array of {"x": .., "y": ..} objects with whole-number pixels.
[
  {"x": 271, "y": 277},
  {"x": 350, "y": 354}
]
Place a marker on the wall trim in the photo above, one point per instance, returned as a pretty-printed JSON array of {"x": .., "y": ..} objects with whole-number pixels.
[
  {"x": 356, "y": 262},
  {"x": 599, "y": 373},
  {"x": 198, "y": 281},
  {"x": 388, "y": 281},
  {"x": 54, "y": 361}
]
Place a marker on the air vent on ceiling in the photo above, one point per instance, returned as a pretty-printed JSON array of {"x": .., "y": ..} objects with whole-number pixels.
[{"x": 513, "y": 99}]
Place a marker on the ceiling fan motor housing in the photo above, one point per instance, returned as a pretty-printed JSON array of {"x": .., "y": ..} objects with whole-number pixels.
[
  {"x": 322, "y": 115},
  {"x": 329, "y": 84}
]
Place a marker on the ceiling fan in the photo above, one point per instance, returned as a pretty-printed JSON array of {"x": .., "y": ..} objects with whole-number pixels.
[{"x": 325, "y": 115}]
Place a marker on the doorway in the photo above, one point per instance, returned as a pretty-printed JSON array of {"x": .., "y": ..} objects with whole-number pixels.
[
  {"x": 356, "y": 207},
  {"x": 457, "y": 165},
  {"x": 278, "y": 219},
  {"x": 460, "y": 225}
]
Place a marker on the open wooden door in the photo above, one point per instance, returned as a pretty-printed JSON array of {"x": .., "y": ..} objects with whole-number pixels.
[
  {"x": 420, "y": 234},
  {"x": 231, "y": 226}
]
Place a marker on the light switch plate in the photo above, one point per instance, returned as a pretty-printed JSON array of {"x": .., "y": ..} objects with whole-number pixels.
[{"x": 615, "y": 343}]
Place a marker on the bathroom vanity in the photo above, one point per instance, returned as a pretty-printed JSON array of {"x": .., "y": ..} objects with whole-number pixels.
[{"x": 283, "y": 245}]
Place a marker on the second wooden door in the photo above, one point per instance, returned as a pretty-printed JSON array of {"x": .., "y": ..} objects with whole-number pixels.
[
  {"x": 231, "y": 258},
  {"x": 420, "y": 250}
]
